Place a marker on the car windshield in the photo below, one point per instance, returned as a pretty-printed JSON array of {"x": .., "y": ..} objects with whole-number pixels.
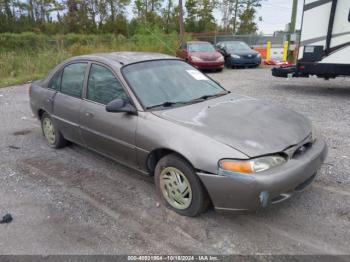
[
  {"x": 166, "y": 83},
  {"x": 237, "y": 46},
  {"x": 204, "y": 47}
]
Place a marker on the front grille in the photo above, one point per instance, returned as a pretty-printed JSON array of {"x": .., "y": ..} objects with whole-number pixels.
[
  {"x": 249, "y": 56},
  {"x": 301, "y": 150},
  {"x": 212, "y": 58}
]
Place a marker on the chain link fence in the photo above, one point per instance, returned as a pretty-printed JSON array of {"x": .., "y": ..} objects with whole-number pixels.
[{"x": 277, "y": 40}]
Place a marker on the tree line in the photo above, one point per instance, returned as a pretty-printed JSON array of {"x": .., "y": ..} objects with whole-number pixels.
[{"x": 126, "y": 17}]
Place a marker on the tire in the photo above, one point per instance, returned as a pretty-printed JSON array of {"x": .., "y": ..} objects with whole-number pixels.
[
  {"x": 52, "y": 135},
  {"x": 227, "y": 65},
  {"x": 172, "y": 174},
  {"x": 219, "y": 70}
]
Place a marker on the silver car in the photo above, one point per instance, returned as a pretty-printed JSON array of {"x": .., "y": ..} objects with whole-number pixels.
[{"x": 159, "y": 115}]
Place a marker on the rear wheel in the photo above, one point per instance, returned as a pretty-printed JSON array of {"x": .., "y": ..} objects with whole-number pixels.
[
  {"x": 179, "y": 187},
  {"x": 53, "y": 137}
]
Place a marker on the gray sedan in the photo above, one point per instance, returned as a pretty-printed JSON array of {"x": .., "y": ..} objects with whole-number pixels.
[{"x": 159, "y": 115}]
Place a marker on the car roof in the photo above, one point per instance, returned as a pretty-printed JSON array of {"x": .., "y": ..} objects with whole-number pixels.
[
  {"x": 123, "y": 58},
  {"x": 198, "y": 42},
  {"x": 232, "y": 41}
]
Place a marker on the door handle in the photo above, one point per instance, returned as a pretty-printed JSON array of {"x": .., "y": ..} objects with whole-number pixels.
[{"x": 88, "y": 114}]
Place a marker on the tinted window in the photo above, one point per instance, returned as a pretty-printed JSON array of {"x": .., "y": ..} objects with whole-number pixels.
[
  {"x": 55, "y": 82},
  {"x": 72, "y": 79},
  {"x": 103, "y": 87}
]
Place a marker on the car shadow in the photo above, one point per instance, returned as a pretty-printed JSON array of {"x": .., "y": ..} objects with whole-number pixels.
[{"x": 317, "y": 90}]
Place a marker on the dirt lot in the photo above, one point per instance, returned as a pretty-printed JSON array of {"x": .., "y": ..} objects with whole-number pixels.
[{"x": 73, "y": 201}]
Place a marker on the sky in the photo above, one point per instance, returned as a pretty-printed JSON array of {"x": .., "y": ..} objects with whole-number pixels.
[{"x": 275, "y": 15}]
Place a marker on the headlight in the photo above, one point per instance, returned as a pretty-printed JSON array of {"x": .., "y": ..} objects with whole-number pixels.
[
  {"x": 235, "y": 56},
  {"x": 220, "y": 59},
  {"x": 196, "y": 59},
  {"x": 252, "y": 165}
]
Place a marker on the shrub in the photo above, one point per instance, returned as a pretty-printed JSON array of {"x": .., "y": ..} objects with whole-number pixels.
[{"x": 29, "y": 56}]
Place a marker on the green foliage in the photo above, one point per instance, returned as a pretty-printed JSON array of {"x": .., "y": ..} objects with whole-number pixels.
[
  {"x": 35, "y": 35},
  {"x": 238, "y": 16},
  {"x": 53, "y": 17},
  {"x": 30, "y": 56},
  {"x": 247, "y": 24},
  {"x": 200, "y": 16}
]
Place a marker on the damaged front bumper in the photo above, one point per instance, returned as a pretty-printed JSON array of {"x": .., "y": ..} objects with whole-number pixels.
[{"x": 238, "y": 192}]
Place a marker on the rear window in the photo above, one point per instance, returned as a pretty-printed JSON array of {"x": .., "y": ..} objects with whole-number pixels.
[{"x": 55, "y": 82}]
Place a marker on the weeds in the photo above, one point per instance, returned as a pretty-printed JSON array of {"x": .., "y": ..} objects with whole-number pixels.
[{"x": 26, "y": 57}]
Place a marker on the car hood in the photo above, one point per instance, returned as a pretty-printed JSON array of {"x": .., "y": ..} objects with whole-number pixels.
[
  {"x": 243, "y": 53},
  {"x": 246, "y": 124},
  {"x": 207, "y": 55}
]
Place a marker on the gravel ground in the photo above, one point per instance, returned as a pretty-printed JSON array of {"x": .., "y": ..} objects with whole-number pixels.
[{"x": 73, "y": 201}]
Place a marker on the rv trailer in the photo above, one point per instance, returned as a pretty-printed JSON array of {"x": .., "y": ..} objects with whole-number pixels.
[{"x": 324, "y": 48}]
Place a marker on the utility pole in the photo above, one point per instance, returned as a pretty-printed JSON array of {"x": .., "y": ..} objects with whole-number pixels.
[
  {"x": 292, "y": 28},
  {"x": 294, "y": 17},
  {"x": 181, "y": 22}
]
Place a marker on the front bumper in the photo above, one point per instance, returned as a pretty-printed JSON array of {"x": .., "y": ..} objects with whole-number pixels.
[
  {"x": 208, "y": 64},
  {"x": 243, "y": 61},
  {"x": 235, "y": 191}
]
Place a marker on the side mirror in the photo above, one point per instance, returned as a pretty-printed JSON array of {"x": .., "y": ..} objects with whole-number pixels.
[
  {"x": 120, "y": 106},
  {"x": 224, "y": 52}
]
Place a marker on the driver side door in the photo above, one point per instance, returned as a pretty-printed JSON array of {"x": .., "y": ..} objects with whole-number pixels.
[{"x": 112, "y": 134}]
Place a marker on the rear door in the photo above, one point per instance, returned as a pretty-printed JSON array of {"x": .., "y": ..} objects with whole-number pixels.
[
  {"x": 112, "y": 134},
  {"x": 49, "y": 93},
  {"x": 67, "y": 102}
]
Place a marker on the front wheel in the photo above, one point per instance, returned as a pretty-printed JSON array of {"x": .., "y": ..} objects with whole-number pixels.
[
  {"x": 179, "y": 187},
  {"x": 53, "y": 137}
]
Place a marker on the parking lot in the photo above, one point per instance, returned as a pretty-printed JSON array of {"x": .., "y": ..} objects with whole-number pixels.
[{"x": 73, "y": 201}]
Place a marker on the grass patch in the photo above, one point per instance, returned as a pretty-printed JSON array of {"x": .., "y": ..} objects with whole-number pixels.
[{"x": 32, "y": 58}]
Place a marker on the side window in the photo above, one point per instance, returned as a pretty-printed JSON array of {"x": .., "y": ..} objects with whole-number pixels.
[
  {"x": 55, "y": 82},
  {"x": 103, "y": 87},
  {"x": 73, "y": 78}
]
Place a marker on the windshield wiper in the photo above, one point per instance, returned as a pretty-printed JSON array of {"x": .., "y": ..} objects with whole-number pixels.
[
  {"x": 205, "y": 97},
  {"x": 165, "y": 104}
]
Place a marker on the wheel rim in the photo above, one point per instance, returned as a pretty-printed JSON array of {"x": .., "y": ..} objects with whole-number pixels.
[
  {"x": 49, "y": 131},
  {"x": 175, "y": 188}
]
